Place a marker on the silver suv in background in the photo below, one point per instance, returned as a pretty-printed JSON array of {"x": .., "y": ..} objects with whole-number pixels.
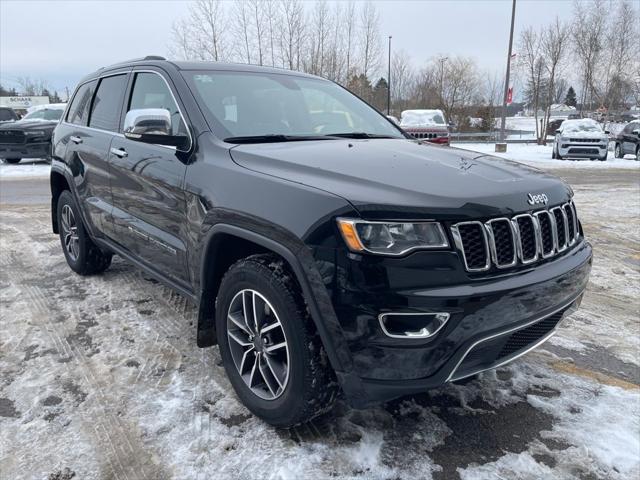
[{"x": 583, "y": 138}]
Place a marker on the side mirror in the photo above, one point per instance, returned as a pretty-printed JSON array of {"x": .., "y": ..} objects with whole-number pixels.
[
  {"x": 152, "y": 125},
  {"x": 607, "y": 132},
  {"x": 636, "y": 131},
  {"x": 558, "y": 132}
]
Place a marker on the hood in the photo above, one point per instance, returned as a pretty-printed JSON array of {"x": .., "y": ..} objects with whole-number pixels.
[
  {"x": 583, "y": 134},
  {"x": 406, "y": 179},
  {"x": 29, "y": 124}
]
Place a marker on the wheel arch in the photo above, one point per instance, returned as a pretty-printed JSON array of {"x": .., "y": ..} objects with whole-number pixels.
[
  {"x": 59, "y": 184},
  {"x": 216, "y": 260}
]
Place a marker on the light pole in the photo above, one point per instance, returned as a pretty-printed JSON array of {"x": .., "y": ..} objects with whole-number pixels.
[
  {"x": 502, "y": 146},
  {"x": 442, "y": 61},
  {"x": 389, "y": 80}
]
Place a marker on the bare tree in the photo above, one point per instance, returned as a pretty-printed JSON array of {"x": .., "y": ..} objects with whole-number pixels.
[
  {"x": 273, "y": 21},
  {"x": 555, "y": 43},
  {"x": 350, "y": 27},
  {"x": 403, "y": 78},
  {"x": 29, "y": 86},
  {"x": 533, "y": 63},
  {"x": 370, "y": 39},
  {"x": 243, "y": 38},
  {"x": 259, "y": 27},
  {"x": 588, "y": 39},
  {"x": 292, "y": 32},
  {"x": 200, "y": 34}
]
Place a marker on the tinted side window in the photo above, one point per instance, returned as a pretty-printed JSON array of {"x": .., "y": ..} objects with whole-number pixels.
[
  {"x": 105, "y": 112},
  {"x": 79, "y": 109},
  {"x": 6, "y": 114},
  {"x": 151, "y": 91}
]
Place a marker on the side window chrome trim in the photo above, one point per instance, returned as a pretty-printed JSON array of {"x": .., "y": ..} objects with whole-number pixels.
[{"x": 175, "y": 100}]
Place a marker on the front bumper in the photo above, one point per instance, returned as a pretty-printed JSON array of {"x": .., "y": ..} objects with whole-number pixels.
[
  {"x": 582, "y": 150},
  {"x": 25, "y": 150},
  {"x": 493, "y": 320}
]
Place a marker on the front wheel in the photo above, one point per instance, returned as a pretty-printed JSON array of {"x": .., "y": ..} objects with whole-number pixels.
[
  {"x": 617, "y": 152},
  {"x": 83, "y": 256},
  {"x": 270, "y": 350}
]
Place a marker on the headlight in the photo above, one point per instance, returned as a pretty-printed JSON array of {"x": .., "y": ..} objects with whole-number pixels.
[
  {"x": 35, "y": 133},
  {"x": 391, "y": 238}
]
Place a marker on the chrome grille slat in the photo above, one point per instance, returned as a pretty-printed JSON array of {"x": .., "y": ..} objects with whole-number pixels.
[{"x": 522, "y": 239}]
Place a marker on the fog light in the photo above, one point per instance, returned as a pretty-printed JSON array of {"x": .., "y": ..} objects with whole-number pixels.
[{"x": 412, "y": 325}]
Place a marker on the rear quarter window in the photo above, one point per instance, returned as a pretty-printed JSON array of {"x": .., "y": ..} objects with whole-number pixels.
[{"x": 79, "y": 110}]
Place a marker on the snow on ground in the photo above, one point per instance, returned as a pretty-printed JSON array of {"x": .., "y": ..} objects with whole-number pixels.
[
  {"x": 100, "y": 377},
  {"x": 25, "y": 169},
  {"x": 540, "y": 156}
]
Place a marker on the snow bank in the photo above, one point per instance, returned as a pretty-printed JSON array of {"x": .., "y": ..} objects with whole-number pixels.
[
  {"x": 540, "y": 156},
  {"x": 25, "y": 169}
]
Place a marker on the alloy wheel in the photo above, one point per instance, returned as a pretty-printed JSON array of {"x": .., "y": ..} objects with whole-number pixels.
[
  {"x": 258, "y": 344},
  {"x": 70, "y": 232}
]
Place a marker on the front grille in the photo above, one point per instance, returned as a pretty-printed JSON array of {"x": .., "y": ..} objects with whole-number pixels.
[
  {"x": 524, "y": 239},
  {"x": 472, "y": 236},
  {"x": 502, "y": 242},
  {"x": 584, "y": 151},
  {"x": 424, "y": 135},
  {"x": 584, "y": 140},
  {"x": 523, "y": 338},
  {"x": 547, "y": 237},
  {"x": 502, "y": 348},
  {"x": 561, "y": 230},
  {"x": 528, "y": 238},
  {"x": 12, "y": 136}
]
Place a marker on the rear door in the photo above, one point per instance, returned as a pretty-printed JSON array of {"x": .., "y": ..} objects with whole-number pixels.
[
  {"x": 147, "y": 184},
  {"x": 630, "y": 139},
  {"x": 89, "y": 127}
]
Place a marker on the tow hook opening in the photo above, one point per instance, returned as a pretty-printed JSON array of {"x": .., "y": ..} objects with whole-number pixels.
[{"x": 412, "y": 325}]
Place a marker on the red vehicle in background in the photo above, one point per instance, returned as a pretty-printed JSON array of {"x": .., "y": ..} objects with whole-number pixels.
[{"x": 427, "y": 125}]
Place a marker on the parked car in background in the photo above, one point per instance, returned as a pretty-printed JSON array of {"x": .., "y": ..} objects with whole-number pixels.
[
  {"x": 582, "y": 138},
  {"x": 427, "y": 125},
  {"x": 628, "y": 140},
  {"x": 8, "y": 115},
  {"x": 322, "y": 255},
  {"x": 553, "y": 126},
  {"x": 30, "y": 137}
]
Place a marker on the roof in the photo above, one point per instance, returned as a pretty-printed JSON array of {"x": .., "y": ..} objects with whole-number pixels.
[{"x": 156, "y": 61}]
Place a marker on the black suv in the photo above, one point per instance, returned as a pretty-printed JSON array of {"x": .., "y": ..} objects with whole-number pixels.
[
  {"x": 30, "y": 137},
  {"x": 327, "y": 252},
  {"x": 628, "y": 140}
]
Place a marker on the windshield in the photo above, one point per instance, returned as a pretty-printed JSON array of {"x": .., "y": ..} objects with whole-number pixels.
[
  {"x": 248, "y": 104},
  {"x": 44, "y": 114},
  {"x": 414, "y": 118},
  {"x": 580, "y": 126}
]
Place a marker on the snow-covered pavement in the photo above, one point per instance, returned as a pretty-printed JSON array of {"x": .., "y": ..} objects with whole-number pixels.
[{"x": 101, "y": 378}]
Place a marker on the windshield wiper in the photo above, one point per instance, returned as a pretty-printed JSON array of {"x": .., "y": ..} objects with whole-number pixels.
[
  {"x": 275, "y": 137},
  {"x": 358, "y": 135}
]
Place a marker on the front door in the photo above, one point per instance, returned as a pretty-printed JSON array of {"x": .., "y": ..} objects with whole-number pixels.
[{"x": 149, "y": 212}]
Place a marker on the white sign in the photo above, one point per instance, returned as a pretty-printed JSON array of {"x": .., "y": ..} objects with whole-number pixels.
[{"x": 23, "y": 102}]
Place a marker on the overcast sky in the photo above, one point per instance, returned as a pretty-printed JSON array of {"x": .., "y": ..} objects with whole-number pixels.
[{"x": 61, "y": 41}]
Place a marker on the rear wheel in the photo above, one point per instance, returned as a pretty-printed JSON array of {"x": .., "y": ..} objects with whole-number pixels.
[
  {"x": 12, "y": 160},
  {"x": 270, "y": 350},
  {"x": 638, "y": 153},
  {"x": 83, "y": 256}
]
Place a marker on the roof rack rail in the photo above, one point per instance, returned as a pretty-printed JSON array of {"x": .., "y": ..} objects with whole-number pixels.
[{"x": 154, "y": 57}]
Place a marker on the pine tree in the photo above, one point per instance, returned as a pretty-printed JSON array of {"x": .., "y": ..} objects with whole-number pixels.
[
  {"x": 571, "y": 99},
  {"x": 380, "y": 95}
]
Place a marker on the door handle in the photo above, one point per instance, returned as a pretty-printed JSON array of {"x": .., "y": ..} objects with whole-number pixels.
[
  {"x": 119, "y": 152},
  {"x": 75, "y": 139}
]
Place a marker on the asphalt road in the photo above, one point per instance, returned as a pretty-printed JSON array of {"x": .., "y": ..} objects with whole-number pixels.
[{"x": 101, "y": 377}]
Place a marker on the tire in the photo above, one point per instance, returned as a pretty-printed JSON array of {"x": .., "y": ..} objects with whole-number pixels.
[
  {"x": 604, "y": 158},
  {"x": 617, "y": 152},
  {"x": 553, "y": 153},
  {"x": 12, "y": 161},
  {"x": 638, "y": 153},
  {"x": 83, "y": 256},
  {"x": 306, "y": 385}
]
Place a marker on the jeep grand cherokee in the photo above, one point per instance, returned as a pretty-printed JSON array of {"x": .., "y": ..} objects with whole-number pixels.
[{"x": 326, "y": 250}]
